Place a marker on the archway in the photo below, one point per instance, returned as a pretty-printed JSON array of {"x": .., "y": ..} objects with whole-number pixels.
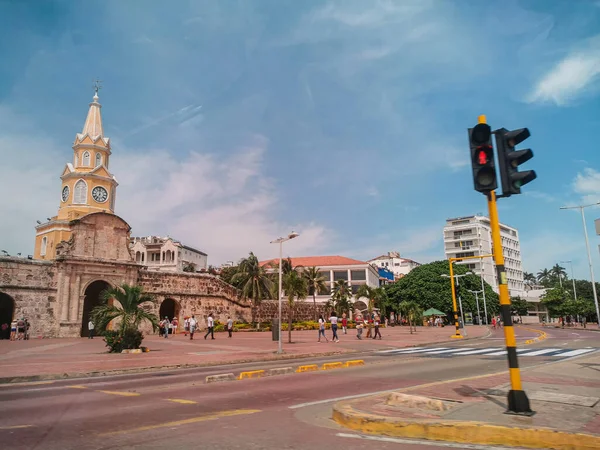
[
  {"x": 7, "y": 310},
  {"x": 359, "y": 306},
  {"x": 169, "y": 308},
  {"x": 92, "y": 298}
]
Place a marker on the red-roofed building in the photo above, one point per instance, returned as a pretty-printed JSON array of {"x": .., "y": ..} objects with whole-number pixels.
[{"x": 334, "y": 268}]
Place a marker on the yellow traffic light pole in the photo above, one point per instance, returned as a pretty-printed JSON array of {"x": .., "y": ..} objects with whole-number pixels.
[
  {"x": 457, "y": 335},
  {"x": 518, "y": 402}
]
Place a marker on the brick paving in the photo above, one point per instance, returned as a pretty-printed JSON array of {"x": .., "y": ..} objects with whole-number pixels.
[{"x": 44, "y": 357}]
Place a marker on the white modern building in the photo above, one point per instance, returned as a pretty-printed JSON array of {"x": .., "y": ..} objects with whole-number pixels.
[
  {"x": 471, "y": 236},
  {"x": 167, "y": 254},
  {"x": 393, "y": 262},
  {"x": 334, "y": 268}
]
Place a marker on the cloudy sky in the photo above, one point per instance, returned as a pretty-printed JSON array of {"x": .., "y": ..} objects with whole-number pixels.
[{"x": 234, "y": 122}]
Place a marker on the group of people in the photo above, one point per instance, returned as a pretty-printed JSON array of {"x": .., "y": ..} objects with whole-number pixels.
[
  {"x": 17, "y": 331},
  {"x": 191, "y": 325},
  {"x": 372, "y": 324}
]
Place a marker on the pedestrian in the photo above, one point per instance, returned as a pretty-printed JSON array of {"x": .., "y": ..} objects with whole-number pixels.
[
  {"x": 186, "y": 325},
  {"x": 359, "y": 330},
  {"x": 494, "y": 323},
  {"x": 369, "y": 325},
  {"x": 91, "y": 329},
  {"x": 229, "y": 326},
  {"x": 21, "y": 329},
  {"x": 344, "y": 323},
  {"x": 322, "y": 329},
  {"x": 192, "y": 324},
  {"x": 334, "y": 320},
  {"x": 175, "y": 324},
  {"x": 13, "y": 330},
  {"x": 5, "y": 331},
  {"x": 166, "y": 326},
  {"x": 27, "y": 326},
  {"x": 377, "y": 332},
  {"x": 211, "y": 327}
]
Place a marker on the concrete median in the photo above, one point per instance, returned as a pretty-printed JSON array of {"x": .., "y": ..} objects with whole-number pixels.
[{"x": 220, "y": 378}]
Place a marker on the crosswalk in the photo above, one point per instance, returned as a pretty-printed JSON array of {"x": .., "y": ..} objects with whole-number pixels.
[{"x": 442, "y": 352}]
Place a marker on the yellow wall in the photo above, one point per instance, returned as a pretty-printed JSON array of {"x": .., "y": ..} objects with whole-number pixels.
[{"x": 53, "y": 238}]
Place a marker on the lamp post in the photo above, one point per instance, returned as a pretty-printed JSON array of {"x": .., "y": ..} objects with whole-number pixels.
[
  {"x": 484, "y": 301},
  {"x": 572, "y": 277},
  {"x": 280, "y": 241},
  {"x": 587, "y": 245},
  {"x": 477, "y": 300},
  {"x": 462, "y": 317}
]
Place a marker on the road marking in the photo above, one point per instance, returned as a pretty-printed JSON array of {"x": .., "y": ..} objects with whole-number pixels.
[
  {"x": 77, "y": 386},
  {"x": 474, "y": 352},
  {"x": 26, "y": 383},
  {"x": 15, "y": 427},
  {"x": 420, "y": 442},
  {"x": 439, "y": 352},
  {"x": 182, "y": 401},
  {"x": 123, "y": 394},
  {"x": 541, "y": 352},
  {"x": 218, "y": 415},
  {"x": 395, "y": 349},
  {"x": 577, "y": 352}
]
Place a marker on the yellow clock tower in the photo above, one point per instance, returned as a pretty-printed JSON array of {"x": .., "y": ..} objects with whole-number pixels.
[{"x": 87, "y": 185}]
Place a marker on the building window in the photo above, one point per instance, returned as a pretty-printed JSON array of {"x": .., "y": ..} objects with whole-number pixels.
[
  {"x": 86, "y": 159},
  {"x": 396, "y": 264},
  {"x": 340, "y": 275},
  {"x": 358, "y": 275},
  {"x": 98, "y": 159},
  {"x": 44, "y": 245},
  {"x": 326, "y": 275},
  {"x": 80, "y": 193}
]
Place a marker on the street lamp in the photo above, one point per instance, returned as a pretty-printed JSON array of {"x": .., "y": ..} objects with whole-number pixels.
[
  {"x": 572, "y": 277},
  {"x": 483, "y": 290},
  {"x": 587, "y": 245},
  {"x": 477, "y": 300},
  {"x": 280, "y": 241},
  {"x": 459, "y": 298}
]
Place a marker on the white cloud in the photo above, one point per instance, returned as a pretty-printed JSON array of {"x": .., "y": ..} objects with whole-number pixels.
[
  {"x": 587, "y": 185},
  {"x": 577, "y": 73}
]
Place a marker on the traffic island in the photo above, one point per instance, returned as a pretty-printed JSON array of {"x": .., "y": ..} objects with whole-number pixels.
[{"x": 555, "y": 426}]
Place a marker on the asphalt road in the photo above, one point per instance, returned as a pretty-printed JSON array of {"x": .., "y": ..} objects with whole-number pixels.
[{"x": 178, "y": 410}]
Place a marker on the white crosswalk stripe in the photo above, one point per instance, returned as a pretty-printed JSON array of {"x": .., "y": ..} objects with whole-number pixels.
[{"x": 486, "y": 352}]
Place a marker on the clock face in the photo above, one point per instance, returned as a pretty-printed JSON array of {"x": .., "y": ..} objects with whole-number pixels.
[
  {"x": 65, "y": 194},
  {"x": 99, "y": 194}
]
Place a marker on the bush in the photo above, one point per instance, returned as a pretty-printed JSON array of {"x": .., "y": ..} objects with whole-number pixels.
[{"x": 117, "y": 342}]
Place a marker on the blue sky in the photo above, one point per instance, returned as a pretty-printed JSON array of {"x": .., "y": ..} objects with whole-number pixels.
[{"x": 233, "y": 122}]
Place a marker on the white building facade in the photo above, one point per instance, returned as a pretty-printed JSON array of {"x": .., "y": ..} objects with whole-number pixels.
[
  {"x": 167, "y": 254},
  {"x": 393, "y": 262},
  {"x": 471, "y": 236}
]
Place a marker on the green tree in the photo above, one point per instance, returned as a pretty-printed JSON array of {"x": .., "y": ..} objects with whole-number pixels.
[
  {"x": 315, "y": 283},
  {"x": 227, "y": 274},
  {"x": 189, "y": 267},
  {"x": 529, "y": 278},
  {"x": 253, "y": 280},
  {"x": 426, "y": 286},
  {"x": 295, "y": 288},
  {"x": 375, "y": 297},
  {"x": 555, "y": 300},
  {"x": 559, "y": 271},
  {"x": 518, "y": 306},
  {"x": 543, "y": 276},
  {"x": 413, "y": 313},
  {"x": 129, "y": 311},
  {"x": 340, "y": 299}
]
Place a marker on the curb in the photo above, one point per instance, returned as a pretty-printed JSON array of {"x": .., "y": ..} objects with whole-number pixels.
[
  {"x": 462, "y": 432},
  {"x": 220, "y": 378}
]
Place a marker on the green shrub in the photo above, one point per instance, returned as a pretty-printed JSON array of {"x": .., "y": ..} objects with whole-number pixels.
[{"x": 117, "y": 342}]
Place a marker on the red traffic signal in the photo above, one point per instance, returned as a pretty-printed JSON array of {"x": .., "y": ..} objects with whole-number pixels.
[{"x": 482, "y": 158}]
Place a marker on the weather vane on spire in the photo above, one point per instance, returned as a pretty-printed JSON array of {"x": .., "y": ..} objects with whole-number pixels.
[{"x": 97, "y": 86}]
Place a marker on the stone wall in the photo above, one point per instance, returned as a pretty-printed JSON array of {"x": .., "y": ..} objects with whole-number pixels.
[
  {"x": 304, "y": 310},
  {"x": 33, "y": 288}
]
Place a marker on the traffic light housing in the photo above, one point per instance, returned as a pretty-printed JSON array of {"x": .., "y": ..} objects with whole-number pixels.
[
  {"x": 510, "y": 159},
  {"x": 482, "y": 158}
]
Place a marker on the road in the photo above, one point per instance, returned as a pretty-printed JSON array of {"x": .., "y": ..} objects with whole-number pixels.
[{"x": 177, "y": 409}]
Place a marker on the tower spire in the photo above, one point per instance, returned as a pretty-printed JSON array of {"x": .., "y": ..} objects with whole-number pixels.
[{"x": 93, "y": 122}]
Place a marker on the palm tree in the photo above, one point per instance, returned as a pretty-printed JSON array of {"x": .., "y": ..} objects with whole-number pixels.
[
  {"x": 412, "y": 312},
  {"x": 341, "y": 294},
  {"x": 374, "y": 295},
  {"x": 129, "y": 309},
  {"x": 543, "y": 275},
  {"x": 315, "y": 283},
  {"x": 252, "y": 279},
  {"x": 529, "y": 278},
  {"x": 296, "y": 288}
]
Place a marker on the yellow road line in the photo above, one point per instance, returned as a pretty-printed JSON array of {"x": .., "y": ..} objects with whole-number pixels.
[
  {"x": 14, "y": 427},
  {"x": 182, "y": 401},
  {"x": 77, "y": 386},
  {"x": 26, "y": 383},
  {"x": 218, "y": 415},
  {"x": 123, "y": 394},
  {"x": 355, "y": 362},
  {"x": 308, "y": 368}
]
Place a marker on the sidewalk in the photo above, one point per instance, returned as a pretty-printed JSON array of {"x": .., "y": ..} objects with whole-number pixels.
[
  {"x": 40, "y": 359},
  {"x": 565, "y": 396}
]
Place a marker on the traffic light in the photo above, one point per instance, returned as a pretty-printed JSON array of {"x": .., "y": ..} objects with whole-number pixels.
[
  {"x": 510, "y": 159},
  {"x": 482, "y": 158}
]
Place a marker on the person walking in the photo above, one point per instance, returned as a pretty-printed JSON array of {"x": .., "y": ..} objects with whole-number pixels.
[
  {"x": 230, "y": 326},
  {"x": 376, "y": 324},
  {"x": 174, "y": 325},
  {"x": 210, "y": 322},
  {"x": 192, "y": 324},
  {"x": 334, "y": 326},
  {"x": 91, "y": 329},
  {"x": 186, "y": 326},
  {"x": 13, "y": 330},
  {"x": 344, "y": 323},
  {"x": 166, "y": 326},
  {"x": 322, "y": 329}
]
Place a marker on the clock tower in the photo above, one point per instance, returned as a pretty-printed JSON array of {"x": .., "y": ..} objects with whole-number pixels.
[{"x": 87, "y": 185}]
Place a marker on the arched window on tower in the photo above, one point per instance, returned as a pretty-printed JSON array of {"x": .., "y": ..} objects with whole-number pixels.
[
  {"x": 80, "y": 193},
  {"x": 98, "y": 159},
  {"x": 86, "y": 159},
  {"x": 44, "y": 245}
]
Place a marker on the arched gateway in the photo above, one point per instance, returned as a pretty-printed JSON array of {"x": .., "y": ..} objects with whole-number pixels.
[
  {"x": 7, "y": 311},
  {"x": 93, "y": 298}
]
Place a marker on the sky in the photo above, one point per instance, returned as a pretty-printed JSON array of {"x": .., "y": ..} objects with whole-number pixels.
[{"x": 234, "y": 122}]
